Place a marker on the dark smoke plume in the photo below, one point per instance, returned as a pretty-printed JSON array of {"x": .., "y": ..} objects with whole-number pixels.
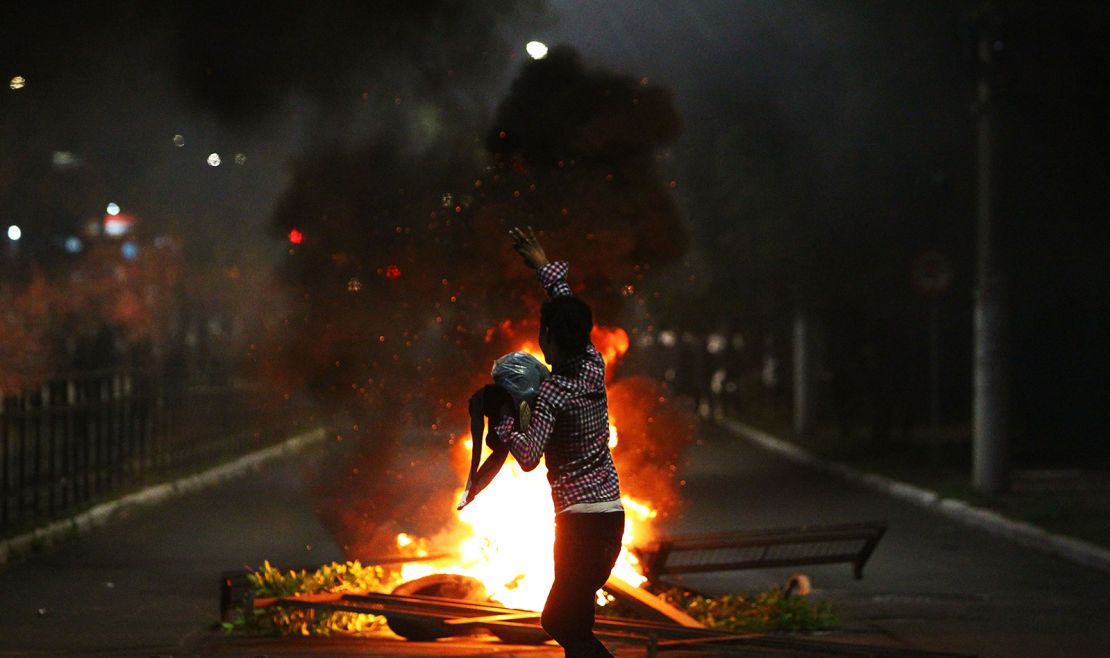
[{"x": 405, "y": 287}]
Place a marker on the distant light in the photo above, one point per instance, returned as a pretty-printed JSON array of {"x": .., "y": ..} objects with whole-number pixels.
[
  {"x": 667, "y": 338},
  {"x": 18, "y": 82},
  {"x": 296, "y": 237},
  {"x": 73, "y": 244},
  {"x": 214, "y": 159},
  {"x": 130, "y": 250},
  {"x": 64, "y": 160},
  {"x": 392, "y": 272},
  {"x": 240, "y": 159},
  {"x": 118, "y": 225},
  {"x": 179, "y": 140},
  {"x": 716, "y": 343},
  {"x": 14, "y": 233},
  {"x": 113, "y": 209},
  {"x": 536, "y": 49}
]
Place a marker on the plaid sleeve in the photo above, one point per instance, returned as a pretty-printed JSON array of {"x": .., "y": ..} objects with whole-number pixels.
[
  {"x": 553, "y": 278},
  {"x": 528, "y": 446}
]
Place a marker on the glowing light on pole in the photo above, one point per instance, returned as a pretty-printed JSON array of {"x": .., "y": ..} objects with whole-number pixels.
[
  {"x": 536, "y": 49},
  {"x": 14, "y": 233}
]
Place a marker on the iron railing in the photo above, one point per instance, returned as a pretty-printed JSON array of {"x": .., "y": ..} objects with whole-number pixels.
[{"x": 76, "y": 439}]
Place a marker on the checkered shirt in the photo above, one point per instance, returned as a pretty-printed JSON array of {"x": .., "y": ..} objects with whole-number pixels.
[{"x": 570, "y": 422}]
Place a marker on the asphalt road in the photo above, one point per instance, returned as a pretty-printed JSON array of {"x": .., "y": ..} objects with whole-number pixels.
[
  {"x": 147, "y": 585},
  {"x": 931, "y": 584}
]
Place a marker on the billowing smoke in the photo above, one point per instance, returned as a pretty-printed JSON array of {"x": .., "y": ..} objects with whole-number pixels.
[
  {"x": 405, "y": 287},
  {"x": 391, "y": 137}
]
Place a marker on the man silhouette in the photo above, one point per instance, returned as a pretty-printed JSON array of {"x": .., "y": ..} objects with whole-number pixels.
[{"x": 569, "y": 427}]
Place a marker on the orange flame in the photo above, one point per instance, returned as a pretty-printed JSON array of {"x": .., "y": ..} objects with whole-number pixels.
[
  {"x": 612, "y": 342},
  {"x": 506, "y": 534}
]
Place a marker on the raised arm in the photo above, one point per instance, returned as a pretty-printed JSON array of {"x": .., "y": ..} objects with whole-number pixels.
[{"x": 553, "y": 275}]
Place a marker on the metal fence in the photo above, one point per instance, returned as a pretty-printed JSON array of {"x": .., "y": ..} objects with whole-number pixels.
[{"x": 77, "y": 439}]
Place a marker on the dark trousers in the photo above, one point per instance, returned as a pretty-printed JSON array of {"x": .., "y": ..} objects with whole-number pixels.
[{"x": 586, "y": 548}]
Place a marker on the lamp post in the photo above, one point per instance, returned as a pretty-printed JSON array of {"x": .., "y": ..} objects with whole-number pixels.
[{"x": 990, "y": 467}]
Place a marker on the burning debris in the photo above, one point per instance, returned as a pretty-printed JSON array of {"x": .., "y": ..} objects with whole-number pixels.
[
  {"x": 354, "y": 599},
  {"x": 504, "y": 538}
]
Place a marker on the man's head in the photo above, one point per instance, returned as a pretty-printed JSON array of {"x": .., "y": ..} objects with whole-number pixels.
[{"x": 565, "y": 324}]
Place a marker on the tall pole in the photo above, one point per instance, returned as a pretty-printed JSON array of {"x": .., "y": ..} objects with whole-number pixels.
[
  {"x": 990, "y": 433},
  {"x": 934, "y": 362},
  {"x": 804, "y": 366}
]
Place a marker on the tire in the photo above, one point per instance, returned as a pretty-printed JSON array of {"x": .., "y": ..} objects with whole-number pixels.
[{"x": 446, "y": 585}]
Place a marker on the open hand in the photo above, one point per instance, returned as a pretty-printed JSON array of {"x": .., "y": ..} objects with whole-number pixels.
[{"x": 528, "y": 246}]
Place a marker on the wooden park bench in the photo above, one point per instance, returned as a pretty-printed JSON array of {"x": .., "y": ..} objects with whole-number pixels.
[{"x": 762, "y": 549}]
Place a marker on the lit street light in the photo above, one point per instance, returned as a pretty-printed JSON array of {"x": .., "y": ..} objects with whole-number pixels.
[
  {"x": 536, "y": 49},
  {"x": 14, "y": 233}
]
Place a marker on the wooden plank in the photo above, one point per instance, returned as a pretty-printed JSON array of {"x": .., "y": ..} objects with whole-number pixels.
[
  {"x": 647, "y": 604},
  {"x": 509, "y": 616},
  {"x": 324, "y": 597},
  {"x": 708, "y": 639}
]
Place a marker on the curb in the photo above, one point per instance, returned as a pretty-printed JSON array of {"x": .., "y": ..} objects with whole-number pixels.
[
  {"x": 102, "y": 513},
  {"x": 1019, "y": 532}
]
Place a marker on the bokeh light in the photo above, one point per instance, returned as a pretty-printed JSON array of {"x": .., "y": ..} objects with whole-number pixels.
[
  {"x": 115, "y": 226},
  {"x": 113, "y": 209},
  {"x": 18, "y": 82},
  {"x": 64, "y": 160},
  {"x": 14, "y": 233},
  {"x": 214, "y": 159}
]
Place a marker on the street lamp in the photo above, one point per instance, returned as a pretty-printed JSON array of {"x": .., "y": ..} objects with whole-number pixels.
[
  {"x": 14, "y": 233},
  {"x": 536, "y": 49}
]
